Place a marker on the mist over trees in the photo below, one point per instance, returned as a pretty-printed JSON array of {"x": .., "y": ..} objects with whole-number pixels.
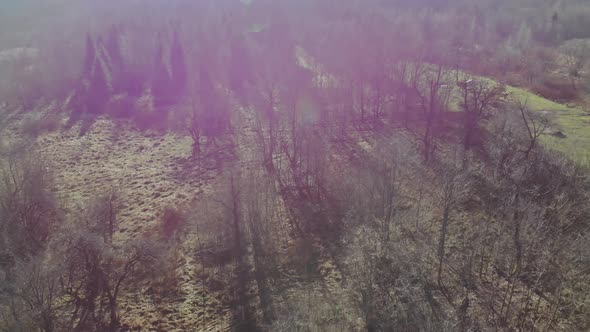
[{"x": 376, "y": 155}]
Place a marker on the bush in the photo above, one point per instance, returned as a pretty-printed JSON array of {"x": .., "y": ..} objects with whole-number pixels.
[
  {"x": 554, "y": 88},
  {"x": 28, "y": 207},
  {"x": 121, "y": 106},
  {"x": 172, "y": 221},
  {"x": 35, "y": 124}
]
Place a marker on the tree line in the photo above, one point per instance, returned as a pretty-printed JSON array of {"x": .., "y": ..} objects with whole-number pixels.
[{"x": 374, "y": 146}]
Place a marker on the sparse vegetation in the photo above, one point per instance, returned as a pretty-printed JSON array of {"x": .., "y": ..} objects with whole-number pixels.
[{"x": 294, "y": 166}]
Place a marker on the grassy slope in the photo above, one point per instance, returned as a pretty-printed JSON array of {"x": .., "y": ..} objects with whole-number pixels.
[
  {"x": 573, "y": 122},
  {"x": 150, "y": 171}
]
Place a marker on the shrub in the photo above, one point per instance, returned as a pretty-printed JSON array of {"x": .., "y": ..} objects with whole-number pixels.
[
  {"x": 172, "y": 221},
  {"x": 28, "y": 207},
  {"x": 554, "y": 88},
  {"x": 121, "y": 106},
  {"x": 35, "y": 124}
]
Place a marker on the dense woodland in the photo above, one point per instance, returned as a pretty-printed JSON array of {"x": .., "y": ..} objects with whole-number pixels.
[{"x": 369, "y": 149}]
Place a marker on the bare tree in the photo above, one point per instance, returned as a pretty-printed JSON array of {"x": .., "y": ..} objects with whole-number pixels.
[
  {"x": 32, "y": 301},
  {"x": 267, "y": 117},
  {"x": 455, "y": 187},
  {"x": 27, "y": 204},
  {"x": 576, "y": 55},
  {"x": 194, "y": 127},
  {"x": 96, "y": 269},
  {"x": 434, "y": 99},
  {"x": 261, "y": 220},
  {"x": 479, "y": 98},
  {"x": 535, "y": 126}
]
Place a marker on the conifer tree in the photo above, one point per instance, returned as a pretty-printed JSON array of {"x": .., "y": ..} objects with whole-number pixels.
[
  {"x": 95, "y": 91},
  {"x": 178, "y": 65},
  {"x": 103, "y": 58},
  {"x": 215, "y": 115},
  {"x": 89, "y": 58},
  {"x": 113, "y": 48},
  {"x": 98, "y": 92},
  {"x": 129, "y": 77},
  {"x": 161, "y": 80},
  {"x": 240, "y": 66}
]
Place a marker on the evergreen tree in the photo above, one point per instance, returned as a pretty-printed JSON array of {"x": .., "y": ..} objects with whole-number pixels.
[
  {"x": 89, "y": 58},
  {"x": 178, "y": 65},
  {"x": 240, "y": 66},
  {"x": 113, "y": 48},
  {"x": 98, "y": 91},
  {"x": 215, "y": 115},
  {"x": 131, "y": 81},
  {"x": 206, "y": 89},
  {"x": 129, "y": 77},
  {"x": 103, "y": 59},
  {"x": 161, "y": 80}
]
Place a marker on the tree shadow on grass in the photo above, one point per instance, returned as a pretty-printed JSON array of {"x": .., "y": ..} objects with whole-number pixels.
[{"x": 86, "y": 121}]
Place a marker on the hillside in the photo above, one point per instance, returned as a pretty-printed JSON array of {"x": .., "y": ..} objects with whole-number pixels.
[{"x": 294, "y": 166}]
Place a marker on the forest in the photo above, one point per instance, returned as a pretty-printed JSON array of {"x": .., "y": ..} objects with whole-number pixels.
[{"x": 294, "y": 165}]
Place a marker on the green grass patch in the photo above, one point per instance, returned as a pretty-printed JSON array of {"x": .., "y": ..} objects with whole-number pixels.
[
  {"x": 571, "y": 121},
  {"x": 535, "y": 102}
]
